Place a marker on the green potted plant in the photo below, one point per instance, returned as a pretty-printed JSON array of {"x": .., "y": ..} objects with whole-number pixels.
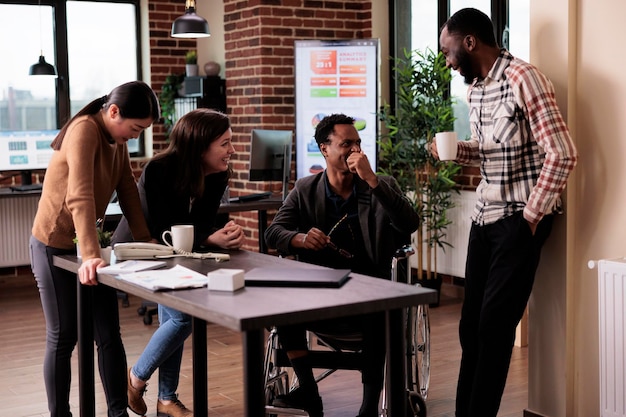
[
  {"x": 423, "y": 108},
  {"x": 191, "y": 63},
  {"x": 169, "y": 92},
  {"x": 104, "y": 239}
]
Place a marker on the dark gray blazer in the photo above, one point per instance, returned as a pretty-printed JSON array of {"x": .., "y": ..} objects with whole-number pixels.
[{"x": 386, "y": 216}]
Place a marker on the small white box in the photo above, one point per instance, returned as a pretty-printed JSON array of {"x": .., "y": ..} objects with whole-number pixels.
[{"x": 225, "y": 279}]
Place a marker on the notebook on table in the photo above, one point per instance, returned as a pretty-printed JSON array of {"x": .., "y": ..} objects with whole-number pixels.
[{"x": 297, "y": 277}]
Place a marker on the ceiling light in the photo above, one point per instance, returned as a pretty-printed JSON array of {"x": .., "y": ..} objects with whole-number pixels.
[
  {"x": 41, "y": 67},
  {"x": 190, "y": 25}
]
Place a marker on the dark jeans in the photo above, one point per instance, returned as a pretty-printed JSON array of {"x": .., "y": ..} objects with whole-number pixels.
[
  {"x": 502, "y": 259},
  {"x": 57, "y": 290},
  {"x": 371, "y": 327}
]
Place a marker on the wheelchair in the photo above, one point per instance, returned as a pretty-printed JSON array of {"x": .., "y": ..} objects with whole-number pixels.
[{"x": 342, "y": 352}]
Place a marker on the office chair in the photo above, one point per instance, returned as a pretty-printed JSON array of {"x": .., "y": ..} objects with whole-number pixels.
[{"x": 148, "y": 310}]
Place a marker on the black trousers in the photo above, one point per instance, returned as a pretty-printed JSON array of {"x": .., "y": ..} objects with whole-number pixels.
[
  {"x": 502, "y": 260},
  {"x": 371, "y": 327},
  {"x": 57, "y": 290}
]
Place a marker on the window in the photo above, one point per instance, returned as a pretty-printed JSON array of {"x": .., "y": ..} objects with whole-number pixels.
[
  {"x": 102, "y": 51},
  {"x": 26, "y": 103},
  {"x": 425, "y": 34}
]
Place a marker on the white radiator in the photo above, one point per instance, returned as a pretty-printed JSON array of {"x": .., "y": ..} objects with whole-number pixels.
[
  {"x": 612, "y": 315},
  {"x": 452, "y": 261},
  {"x": 16, "y": 221}
]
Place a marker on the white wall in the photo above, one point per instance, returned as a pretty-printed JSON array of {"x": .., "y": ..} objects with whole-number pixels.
[
  {"x": 600, "y": 185},
  {"x": 212, "y": 48},
  {"x": 380, "y": 30},
  {"x": 577, "y": 43},
  {"x": 547, "y": 345}
]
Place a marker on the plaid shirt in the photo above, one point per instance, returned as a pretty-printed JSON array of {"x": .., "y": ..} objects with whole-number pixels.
[{"x": 521, "y": 141}]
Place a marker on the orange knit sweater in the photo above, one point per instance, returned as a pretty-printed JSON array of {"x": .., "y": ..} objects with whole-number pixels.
[{"x": 78, "y": 185}]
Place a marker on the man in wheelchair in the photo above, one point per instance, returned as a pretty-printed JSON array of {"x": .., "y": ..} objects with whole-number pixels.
[{"x": 344, "y": 217}]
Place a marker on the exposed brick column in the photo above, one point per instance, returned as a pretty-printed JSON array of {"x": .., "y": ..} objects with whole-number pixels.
[
  {"x": 259, "y": 36},
  {"x": 167, "y": 56}
]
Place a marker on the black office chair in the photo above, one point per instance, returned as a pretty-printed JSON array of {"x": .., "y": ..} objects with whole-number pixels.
[{"x": 148, "y": 310}]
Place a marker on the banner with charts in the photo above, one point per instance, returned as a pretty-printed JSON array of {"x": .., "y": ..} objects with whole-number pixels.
[{"x": 335, "y": 76}]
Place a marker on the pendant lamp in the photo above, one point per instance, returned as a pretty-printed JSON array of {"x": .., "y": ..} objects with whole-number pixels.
[
  {"x": 42, "y": 67},
  {"x": 190, "y": 25}
]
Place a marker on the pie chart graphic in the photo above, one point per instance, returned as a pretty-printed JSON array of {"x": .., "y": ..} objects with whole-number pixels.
[{"x": 316, "y": 119}]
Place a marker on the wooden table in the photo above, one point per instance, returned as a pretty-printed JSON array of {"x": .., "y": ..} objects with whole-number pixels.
[{"x": 250, "y": 311}]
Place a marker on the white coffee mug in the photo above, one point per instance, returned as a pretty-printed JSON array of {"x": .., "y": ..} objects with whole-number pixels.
[
  {"x": 182, "y": 237},
  {"x": 446, "y": 145}
]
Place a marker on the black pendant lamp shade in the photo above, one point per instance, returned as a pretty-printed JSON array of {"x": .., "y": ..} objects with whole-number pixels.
[
  {"x": 190, "y": 25},
  {"x": 42, "y": 68}
]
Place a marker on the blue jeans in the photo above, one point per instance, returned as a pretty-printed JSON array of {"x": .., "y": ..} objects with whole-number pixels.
[{"x": 165, "y": 351}]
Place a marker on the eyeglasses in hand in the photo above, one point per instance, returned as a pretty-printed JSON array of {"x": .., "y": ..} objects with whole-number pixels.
[{"x": 334, "y": 247}]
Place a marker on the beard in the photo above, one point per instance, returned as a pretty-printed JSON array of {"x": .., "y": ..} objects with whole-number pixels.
[{"x": 465, "y": 67}]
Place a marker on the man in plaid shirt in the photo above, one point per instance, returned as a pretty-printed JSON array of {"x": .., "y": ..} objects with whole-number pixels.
[{"x": 526, "y": 154}]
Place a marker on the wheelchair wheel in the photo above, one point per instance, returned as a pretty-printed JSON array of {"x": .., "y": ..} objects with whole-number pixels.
[
  {"x": 276, "y": 379},
  {"x": 417, "y": 405},
  {"x": 418, "y": 350}
]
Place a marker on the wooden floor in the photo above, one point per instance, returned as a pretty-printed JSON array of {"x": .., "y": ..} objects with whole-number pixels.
[{"x": 22, "y": 342}]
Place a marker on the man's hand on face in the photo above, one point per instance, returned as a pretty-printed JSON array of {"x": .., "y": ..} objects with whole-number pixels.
[{"x": 359, "y": 164}]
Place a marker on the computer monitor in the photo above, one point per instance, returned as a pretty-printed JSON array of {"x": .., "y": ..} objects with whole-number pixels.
[
  {"x": 270, "y": 156},
  {"x": 26, "y": 151}
]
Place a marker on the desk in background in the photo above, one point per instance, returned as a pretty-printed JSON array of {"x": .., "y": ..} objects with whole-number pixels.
[
  {"x": 114, "y": 213},
  {"x": 250, "y": 311}
]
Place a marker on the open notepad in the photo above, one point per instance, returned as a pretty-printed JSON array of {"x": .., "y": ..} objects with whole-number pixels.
[{"x": 174, "y": 278}]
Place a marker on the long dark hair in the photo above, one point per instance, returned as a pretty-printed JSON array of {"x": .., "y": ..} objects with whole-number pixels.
[
  {"x": 191, "y": 136},
  {"x": 135, "y": 99}
]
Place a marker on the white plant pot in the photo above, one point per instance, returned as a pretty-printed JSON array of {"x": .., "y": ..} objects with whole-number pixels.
[
  {"x": 191, "y": 70},
  {"x": 105, "y": 253}
]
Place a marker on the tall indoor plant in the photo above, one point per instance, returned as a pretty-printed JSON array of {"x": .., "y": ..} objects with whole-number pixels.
[{"x": 423, "y": 108}]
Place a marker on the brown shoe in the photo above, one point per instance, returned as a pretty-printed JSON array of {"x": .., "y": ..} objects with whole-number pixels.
[
  {"x": 135, "y": 398},
  {"x": 173, "y": 409}
]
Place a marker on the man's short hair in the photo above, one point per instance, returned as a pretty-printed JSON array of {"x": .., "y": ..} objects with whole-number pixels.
[
  {"x": 326, "y": 126},
  {"x": 470, "y": 21}
]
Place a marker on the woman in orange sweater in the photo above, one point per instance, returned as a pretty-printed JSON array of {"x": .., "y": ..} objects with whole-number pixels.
[{"x": 91, "y": 161}]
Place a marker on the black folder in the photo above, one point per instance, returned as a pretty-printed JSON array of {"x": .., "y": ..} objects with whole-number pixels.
[{"x": 296, "y": 277}]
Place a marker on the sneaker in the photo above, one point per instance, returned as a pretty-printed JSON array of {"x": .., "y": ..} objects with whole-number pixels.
[
  {"x": 173, "y": 409},
  {"x": 135, "y": 398},
  {"x": 311, "y": 403}
]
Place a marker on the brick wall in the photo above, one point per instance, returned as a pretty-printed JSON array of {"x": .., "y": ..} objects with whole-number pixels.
[
  {"x": 167, "y": 56},
  {"x": 259, "y": 37},
  {"x": 259, "y": 72}
]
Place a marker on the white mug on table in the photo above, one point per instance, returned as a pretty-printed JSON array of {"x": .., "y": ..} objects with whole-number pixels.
[
  {"x": 446, "y": 145},
  {"x": 182, "y": 237}
]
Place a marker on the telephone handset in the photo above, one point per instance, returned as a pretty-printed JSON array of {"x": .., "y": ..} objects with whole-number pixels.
[
  {"x": 146, "y": 250},
  {"x": 140, "y": 250}
]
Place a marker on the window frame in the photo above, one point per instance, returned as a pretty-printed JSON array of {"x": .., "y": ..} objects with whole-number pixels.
[
  {"x": 400, "y": 28},
  {"x": 61, "y": 58}
]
